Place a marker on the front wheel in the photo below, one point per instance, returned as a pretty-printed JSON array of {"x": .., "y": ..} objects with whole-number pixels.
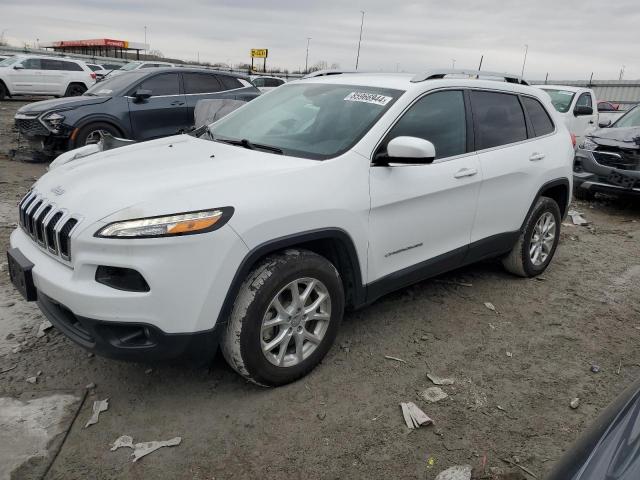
[
  {"x": 94, "y": 132},
  {"x": 537, "y": 243},
  {"x": 285, "y": 318}
]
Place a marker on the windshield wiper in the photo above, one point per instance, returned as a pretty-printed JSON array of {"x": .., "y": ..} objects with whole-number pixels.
[{"x": 249, "y": 145}]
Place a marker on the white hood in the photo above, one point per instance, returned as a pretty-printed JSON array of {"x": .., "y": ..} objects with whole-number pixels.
[{"x": 170, "y": 175}]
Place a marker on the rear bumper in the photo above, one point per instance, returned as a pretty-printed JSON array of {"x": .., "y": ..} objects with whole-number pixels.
[{"x": 137, "y": 342}]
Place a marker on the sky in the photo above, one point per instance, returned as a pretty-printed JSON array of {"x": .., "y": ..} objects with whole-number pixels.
[{"x": 567, "y": 39}]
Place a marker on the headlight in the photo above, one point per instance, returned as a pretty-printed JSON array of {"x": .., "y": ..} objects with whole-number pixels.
[
  {"x": 588, "y": 144},
  {"x": 170, "y": 225},
  {"x": 54, "y": 120}
]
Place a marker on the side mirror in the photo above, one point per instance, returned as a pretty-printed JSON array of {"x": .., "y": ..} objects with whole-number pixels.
[
  {"x": 409, "y": 151},
  {"x": 604, "y": 123},
  {"x": 142, "y": 94},
  {"x": 581, "y": 110},
  {"x": 18, "y": 67}
]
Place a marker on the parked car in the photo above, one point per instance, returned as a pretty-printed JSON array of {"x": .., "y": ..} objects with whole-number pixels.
[
  {"x": 609, "y": 448},
  {"x": 608, "y": 160},
  {"x": 138, "y": 65},
  {"x": 99, "y": 70},
  {"x": 265, "y": 83},
  {"x": 142, "y": 105},
  {"x": 4, "y": 57},
  {"x": 608, "y": 113},
  {"x": 41, "y": 75},
  {"x": 324, "y": 194},
  {"x": 576, "y": 106}
]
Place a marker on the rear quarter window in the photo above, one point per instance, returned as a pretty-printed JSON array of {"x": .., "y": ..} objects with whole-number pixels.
[
  {"x": 538, "y": 116},
  {"x": 498, "y": 119},
  {"x": 229, "y": 83},
  {"x": 201, "y": 83}
]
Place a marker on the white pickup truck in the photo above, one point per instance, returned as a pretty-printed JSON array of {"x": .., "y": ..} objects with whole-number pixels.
[{"x": 577, "y": 106}]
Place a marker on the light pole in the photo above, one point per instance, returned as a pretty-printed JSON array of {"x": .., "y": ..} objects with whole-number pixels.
[
  {"x": 526, "y": 49},
  {"x": 146, "y": 50},
  {"x": 453, "y": 63},
  {"x": 360, "y": 39},
  {"x": 306, "y": 62},
  {"x": 621, "y": 72},
  {"x": 2, "y": 36}
]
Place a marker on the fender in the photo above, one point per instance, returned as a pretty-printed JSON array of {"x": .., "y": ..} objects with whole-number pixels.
[
  {"x": 101, "y": 117},
  {"x": 296, "y": 239},
  {"x": 553, "y": 183}
]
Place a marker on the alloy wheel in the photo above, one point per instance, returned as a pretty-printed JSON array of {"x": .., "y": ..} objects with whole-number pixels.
[{"x": 542, "y": 239}]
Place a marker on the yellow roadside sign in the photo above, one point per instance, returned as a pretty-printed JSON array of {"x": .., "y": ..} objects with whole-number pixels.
[{"x": 259, "y": 52}]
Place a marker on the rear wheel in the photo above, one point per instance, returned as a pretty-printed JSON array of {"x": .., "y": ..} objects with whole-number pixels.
[
  {"x": 94, "y": 132},
  {"x": 75, "y": 90},
  {"x": 285, "y": 318},
  {"x": 537, "y": 244}
]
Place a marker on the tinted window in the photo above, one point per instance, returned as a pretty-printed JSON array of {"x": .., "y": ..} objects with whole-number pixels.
[
  {"x": 259, "y": 82},
  {"x": 439, "y": 118},
  {"x": 542, "y": 124},
  {"x": 605, "y": 107},
  {"x": 229, "y": 83},
  {"x": 201, "y": 83},
  {"x": 71, "y": 67},
  {"x": 164, "y": 84},
  {"x": 584, "y": 100},
  {"x": 273, "y": 82},
  {"x": 498, "y": 119},
  {"x": 32, "y": 64},
  {"x": 50, "y": 64},
  {"x": 95, "y": 68}
]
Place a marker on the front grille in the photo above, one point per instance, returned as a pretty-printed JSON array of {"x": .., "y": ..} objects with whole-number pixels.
[
  {"x": 620, "y": 158},
  {"x": 31, "y": 126},
  {"x": 48, "y": 226}
]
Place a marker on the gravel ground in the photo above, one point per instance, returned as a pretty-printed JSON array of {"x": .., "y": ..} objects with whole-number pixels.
[{"x": 516, "y": 370}]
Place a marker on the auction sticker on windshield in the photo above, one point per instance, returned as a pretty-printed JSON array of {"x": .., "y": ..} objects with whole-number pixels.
[{"x": 368, "y": 98}]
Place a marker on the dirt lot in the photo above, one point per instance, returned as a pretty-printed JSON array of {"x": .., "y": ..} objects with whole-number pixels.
[{"x": 515, "y": 370}]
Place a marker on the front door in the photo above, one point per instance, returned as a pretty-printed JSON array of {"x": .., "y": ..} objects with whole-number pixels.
[
  {"x": 421, "y": 215},
  {"x": 164, "y": 113},
  {"x": 27, "y": 79}
]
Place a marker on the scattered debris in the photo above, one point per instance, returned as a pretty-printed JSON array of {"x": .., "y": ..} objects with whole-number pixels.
[
  {"x": 149, "y": 371},
  {"x": 16, "y": 349},
  {"x": 490, "y": 306},
  {"x": 500, "y": 408},
  {"x": 459, "y": 472},
  {"x": 90, "y": 386},
  {"x": 454, "y": 282},
  {"x": 98, "y": 407},
  {"x": 424, "y": 337},
  {"x": 44, "y": 326},
  {"x": 389, "y": 357},
  {"x": 413, "y": 416},
  {"x": 595, "y": 368},
  {"x": 32, "y": 380},
  {"x": 575, "y": 403},
  {"x": 577, "y": 218},
  {"x": 517, "y": 464},
  {"x": 433, "y": 394},
  {"x": 7, "y": 304},
  {"x": 321, "y": 415},
  {"x": 439, "y": 380},
  {"x": 90, "y": 355},
  {"x": 8, "y": 369},
  {"x": 143, "y": 448},
  {"x": 509, "y": 354},
  {"x": 492, "y": 326},
  {"x": 619, "y": 367}
]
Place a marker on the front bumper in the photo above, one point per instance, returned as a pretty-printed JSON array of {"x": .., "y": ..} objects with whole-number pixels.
[
  {"x": 40, "y": 138},
  {"x": 590, "y": 175},
  {"x": 130, "y": 341}
]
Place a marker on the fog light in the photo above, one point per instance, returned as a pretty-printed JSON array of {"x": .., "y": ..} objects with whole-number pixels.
[{"x": 121, "y": 279}]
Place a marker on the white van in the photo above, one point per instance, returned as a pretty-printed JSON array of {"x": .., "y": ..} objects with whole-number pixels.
[{"x": 577, "y": 106}]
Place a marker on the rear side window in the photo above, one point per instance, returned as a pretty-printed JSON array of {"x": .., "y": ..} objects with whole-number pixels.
[
  {"x": 540, "y": 120},
  {"x": 273, "y": 82},
  {"x": 259, "y": 82},
  {"x": 201, "y": 83},
  {"x": 163, "y": 84},
  {"x": 71, "y": 67},
  {"x": 438, "y": 117},
  {"x": 50, "y": 64},
  {"x": 229, "y": 83},
  {"x": 498, "y": 119}
]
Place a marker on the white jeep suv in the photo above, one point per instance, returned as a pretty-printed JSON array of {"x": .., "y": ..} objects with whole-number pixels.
[
  {"x": 258, "y": 231},
  {"x": 42, "y": 75}
]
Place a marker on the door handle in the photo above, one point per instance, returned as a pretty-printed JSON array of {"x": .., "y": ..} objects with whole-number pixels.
[
  {"x": 465, "y": 172},
  {"x": 177, "y": 102},
  {"x": 536, "y": 156}
]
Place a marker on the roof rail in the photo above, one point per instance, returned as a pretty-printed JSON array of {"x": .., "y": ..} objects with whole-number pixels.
[
  {"x": 437, "y": 74},
  {"x": 326, "y": 72}
]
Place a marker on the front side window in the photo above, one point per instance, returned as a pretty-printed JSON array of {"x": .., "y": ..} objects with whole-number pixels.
[
  {"x": 584, "y": 100},
  {"x": 8, "y": 61},
  {"x": 163, "y": 84},
  {"x": 310, "y": 120},
  {"x": 50, "y": 64},
  {"x": 561, "y": 99},
  {"x": 32, "y": 64},
  {"x": 201, "y": 83},
  {"x": 259, "y": 82},
  {"x": 540, "y": 120},
  {"x": 498, "y": 119},
  {"x": 440, "y": 118}
]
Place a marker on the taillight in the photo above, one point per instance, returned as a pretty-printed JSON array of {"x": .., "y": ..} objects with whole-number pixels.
[
  {"x": 573, "y": 140},
  {"x": 93, "y": 76}
]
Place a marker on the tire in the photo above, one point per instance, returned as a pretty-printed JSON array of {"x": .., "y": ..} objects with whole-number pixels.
[
  {"x": 75, "y": 90},
  {"x": 521, "y": 261},
  {"x": 245, "y": 341},
  {"x": 92, "y": 133},
  {"x": 3, "y": 91}
]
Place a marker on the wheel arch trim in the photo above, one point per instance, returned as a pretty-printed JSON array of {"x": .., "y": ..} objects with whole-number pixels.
[{"x": 558, "y": 182}]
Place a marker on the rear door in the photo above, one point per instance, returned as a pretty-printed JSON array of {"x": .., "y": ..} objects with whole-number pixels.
[
  {"x": 511, "y": 162},
  {"x": 421, "y": 215},
  {"x": 201, "y": 86},
  {"x": 165, "y": 113},
  {"x": 55, "y": 75}
]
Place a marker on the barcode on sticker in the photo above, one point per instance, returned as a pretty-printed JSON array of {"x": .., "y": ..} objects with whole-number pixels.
[{"x": 368, "y": 98}]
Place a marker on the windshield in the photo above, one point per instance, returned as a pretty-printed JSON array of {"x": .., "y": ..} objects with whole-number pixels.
[
  {"x": 8, "y": 61},
  {"x": 561, "y": 99},
  {"x": 131, "y": 66},
  {"x": 629, "y": 119},
  {"x": 308, "y": 119},
  {"x": 112, "y": 85}
]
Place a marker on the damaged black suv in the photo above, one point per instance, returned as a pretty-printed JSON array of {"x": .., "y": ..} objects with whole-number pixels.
[{"x": 608, "y": 160}]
